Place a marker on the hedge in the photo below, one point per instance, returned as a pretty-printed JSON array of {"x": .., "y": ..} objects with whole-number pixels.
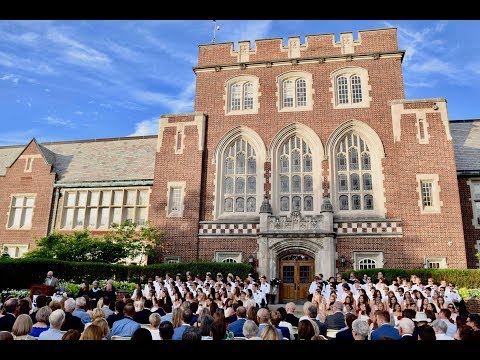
[
  {"x": 22, "y": 273},
  {"x": 469, "y": 278}
]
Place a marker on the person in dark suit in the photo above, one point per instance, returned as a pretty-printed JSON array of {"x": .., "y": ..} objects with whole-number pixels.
[
  {"x": 142, "y": 316},
  {"x": 346, "y": 333},
  {"x": 310, "y": 310},
  {"x": 237, "y": 326},
  {"x": 118, "y": 314},
  {"x": 71, "y": 322},
  {"x": 290, "y": 317},
  {"x": 385, "y": 330},
  {"x": 336, "y": 321},
  {"x": 11, "y": 307},
  {"x": 50, "y": 280},
  {"x": 40, "y": 302}
]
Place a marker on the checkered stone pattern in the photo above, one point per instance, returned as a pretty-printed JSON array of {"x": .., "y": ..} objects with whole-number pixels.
[
  {"x": 227, "y": 229},
  {"x": 382, "y": 228}
]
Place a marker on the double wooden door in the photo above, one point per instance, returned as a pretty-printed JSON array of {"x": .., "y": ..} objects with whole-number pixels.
[{"x": 296, "y": 275}]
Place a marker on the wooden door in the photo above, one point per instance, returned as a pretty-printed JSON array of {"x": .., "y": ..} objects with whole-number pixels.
[{"x": 296, "y": 274}]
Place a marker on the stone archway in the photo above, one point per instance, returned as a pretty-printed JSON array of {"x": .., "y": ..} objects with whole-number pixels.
[{"x": 320, "y": 248}]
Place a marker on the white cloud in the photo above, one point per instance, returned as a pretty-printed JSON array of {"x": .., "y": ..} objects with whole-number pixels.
[
  {"x": 77, "y": 52},
  {"x": 16, "y": 62},
  {"x": 423, "y": 84},
  {"x": 146, "y": 127},
  {"x": 123, "y": 52},
  {"x": 168, "y": 48},
  {"x": 27, "y": 38},
  {"x": 10, "y": 77},
  {"x": 78, "y": 112},
  {"x": 54, "y": 120},
  {"x": 173, "y": 103}
]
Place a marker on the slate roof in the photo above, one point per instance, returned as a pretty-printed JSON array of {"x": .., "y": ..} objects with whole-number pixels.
[
  {"x": 466, "y": 140},
  {"x": 129, "y": 158},
  {"x": 133, "y": 158}
]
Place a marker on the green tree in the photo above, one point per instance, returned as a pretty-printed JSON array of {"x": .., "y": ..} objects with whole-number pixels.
[{"x": 127, "y": 240}]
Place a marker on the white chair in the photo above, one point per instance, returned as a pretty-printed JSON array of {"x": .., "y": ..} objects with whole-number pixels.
[
  {"x": 118, "y": 337},
  {"x": 331, "y": 333}
]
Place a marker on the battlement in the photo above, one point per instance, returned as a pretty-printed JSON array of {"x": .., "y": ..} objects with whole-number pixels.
[{"x": 323, "y": 45}]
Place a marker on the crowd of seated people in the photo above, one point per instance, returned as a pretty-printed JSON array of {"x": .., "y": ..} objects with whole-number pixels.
[{"x": 227, "y": 308}]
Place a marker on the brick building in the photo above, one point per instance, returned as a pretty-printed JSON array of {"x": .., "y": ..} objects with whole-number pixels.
[{"x": 302, "y": 158}]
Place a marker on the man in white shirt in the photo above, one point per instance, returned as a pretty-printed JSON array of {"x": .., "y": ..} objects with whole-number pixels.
[
  {"x": 316, "y": 283},
  {"x": 265, "y": 287},
  {"x": 258, "y": 296}
]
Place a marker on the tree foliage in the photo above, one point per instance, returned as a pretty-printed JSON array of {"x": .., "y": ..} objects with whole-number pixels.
[{"x": 126, "y": 240}]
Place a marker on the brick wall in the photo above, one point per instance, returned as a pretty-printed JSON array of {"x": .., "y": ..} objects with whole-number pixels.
[
  {"x": 16, "y": 181},
  {"x": 424, "y": 235},
  {"x": 181, "y": 232}
]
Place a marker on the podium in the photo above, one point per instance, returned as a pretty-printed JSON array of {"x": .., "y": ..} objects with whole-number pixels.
[{"x": 41, "y": 289}]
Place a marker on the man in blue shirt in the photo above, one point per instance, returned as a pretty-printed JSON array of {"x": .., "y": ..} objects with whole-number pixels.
[
  {"x": 186, "y": 318},
  {"x": 385, "y": 330},
  {"x": 56, "y": 320},
  {"x": 237, "y": 326},
  {"x": 126, "y": 326}
]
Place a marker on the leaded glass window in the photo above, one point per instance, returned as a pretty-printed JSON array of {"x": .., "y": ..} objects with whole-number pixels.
[
  {"x": 349, "y": 89},
  {"x": 240, "y": 177},
  {"x": 354, "y": 173},
  {"x": 242, "y": 96},
  {"x": 294, "y": 93},
  {"x": 296, "y": 168}
]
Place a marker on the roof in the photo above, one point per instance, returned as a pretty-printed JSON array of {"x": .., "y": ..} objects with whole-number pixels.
[
  {"x": 128, "y": 158},
  {"x": 466, "y": 141}
]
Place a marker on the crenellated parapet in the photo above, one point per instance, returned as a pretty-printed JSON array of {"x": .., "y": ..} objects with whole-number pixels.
[{"x": 322, "y": 45}]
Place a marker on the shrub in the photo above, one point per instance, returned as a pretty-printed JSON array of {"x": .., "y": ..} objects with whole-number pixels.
[{"x": 24, "y": 272}]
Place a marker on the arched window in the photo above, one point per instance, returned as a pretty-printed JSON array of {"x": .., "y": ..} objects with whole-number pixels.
[
  {"x": 240, "y": 178},
  {"x": 241, "y": 95},
  {"x": 229, "y": 260},
  {"x": 351, "y": 87},
  {"x": 354, "y": 173},
  {"x": 296, "y": 175},
  {"x": 295, "y": 91},
  {"x": 367, "y": 264}
]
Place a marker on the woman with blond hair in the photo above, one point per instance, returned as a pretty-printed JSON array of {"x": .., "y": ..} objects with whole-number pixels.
[
  {"x": 22, "y": 327},
  {"x": 97, "y": 313},
  {"x": 103, "y": 324},
  {"x": 177, "y": 317},
  {"x": 92, "y": 332},
  {"x": 155, "y": 319},
  {"x": 270, "y": 332}
]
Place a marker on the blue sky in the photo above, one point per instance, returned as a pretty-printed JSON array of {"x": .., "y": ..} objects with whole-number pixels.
[{"x": 77, "y": 79}]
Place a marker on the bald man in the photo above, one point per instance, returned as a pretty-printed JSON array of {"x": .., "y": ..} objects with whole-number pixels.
[{"x": 50, "y": 280}]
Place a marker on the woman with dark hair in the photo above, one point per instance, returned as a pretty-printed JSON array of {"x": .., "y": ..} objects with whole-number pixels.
[
  {"x": 426, "y": 333},
  {"x": 71, "y": 334},
  {"x": 213, "y": 306},
  {"x": 252, "y": 314},
  {"x": 206, "y": 321},
  {"x": 84, "y": 289},
  {"x": 141, "y": 335},
  {"x": 306, "y": 330},
  {"x": 166, "y": 330}
]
